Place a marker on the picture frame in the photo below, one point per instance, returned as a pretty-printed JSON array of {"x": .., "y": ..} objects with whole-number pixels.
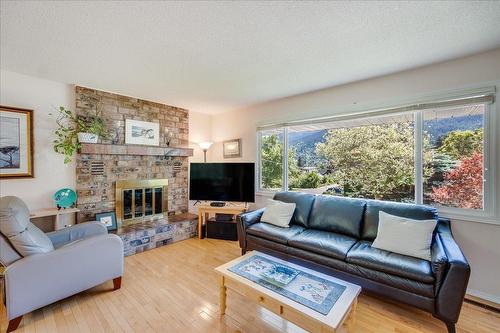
[
  {"x": 142, "y": 133},
  {"x": 16, "y": 143},
  {"x": 231, "y": 148},
  {"x": 108, "y": 219}
]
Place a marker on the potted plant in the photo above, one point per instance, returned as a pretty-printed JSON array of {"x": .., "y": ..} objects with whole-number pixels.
[{"x": 73, "y": 130}]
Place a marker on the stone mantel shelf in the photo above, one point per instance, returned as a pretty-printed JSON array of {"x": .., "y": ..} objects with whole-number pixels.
[{"x": 137, "y": 150}]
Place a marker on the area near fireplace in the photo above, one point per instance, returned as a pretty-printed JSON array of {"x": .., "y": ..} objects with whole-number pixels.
[{"x": 146, "y": 186}]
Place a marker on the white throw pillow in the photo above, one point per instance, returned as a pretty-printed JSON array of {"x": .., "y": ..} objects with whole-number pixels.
[
  {"x": 405, "y": 236},
  {"x": 278, "y": 213}
]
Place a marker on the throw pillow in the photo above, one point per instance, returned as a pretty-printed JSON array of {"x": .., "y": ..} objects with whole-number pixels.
[
  {"x": 405, "y": 236},
  {"x": 15, "y": 225},
  {"x": 278, "y": 213}
]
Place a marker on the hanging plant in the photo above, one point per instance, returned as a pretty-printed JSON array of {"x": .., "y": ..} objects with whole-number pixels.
[{"x": 74, "y": 129}]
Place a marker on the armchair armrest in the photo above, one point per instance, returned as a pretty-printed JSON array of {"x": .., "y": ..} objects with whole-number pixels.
[
  {"x": 244, "y": 221},
  {"x": 39, "y": 280},
  {"x": 454, "y": 285},
  {"x": 76, "y": 232}
]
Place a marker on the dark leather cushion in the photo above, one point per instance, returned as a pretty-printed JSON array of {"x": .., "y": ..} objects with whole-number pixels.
[
  {"x": 303, "y": 203},
  {"x": 323, "y": 242},
  {"x": 337, "y": 214},
  {"x": 274, "y": 233},
  {"x": 363, "y": 254},
  {"x": 388, "y": 285},
  {"x": 412, "y": 211}
]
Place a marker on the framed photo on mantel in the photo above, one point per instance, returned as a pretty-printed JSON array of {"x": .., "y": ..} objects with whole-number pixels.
[
  {"x": 16, "y": 142},
  {"x": 142, "y": 133}
]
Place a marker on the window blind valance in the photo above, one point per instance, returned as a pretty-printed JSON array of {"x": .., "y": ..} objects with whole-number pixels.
[{"x": 478, "y": 96}]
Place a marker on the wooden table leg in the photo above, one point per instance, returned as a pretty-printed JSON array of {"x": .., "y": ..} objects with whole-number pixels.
[
  {"x": 200, "y": 222},
  {"x": 222, "y": 300},
  {"x": 351, "y": 319}
]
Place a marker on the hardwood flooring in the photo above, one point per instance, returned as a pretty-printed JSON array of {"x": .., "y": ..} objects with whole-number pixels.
[{"x": 175, "y": 289}]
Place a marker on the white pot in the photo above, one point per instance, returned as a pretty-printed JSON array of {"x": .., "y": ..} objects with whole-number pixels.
[{"x": 87, "y": 137}]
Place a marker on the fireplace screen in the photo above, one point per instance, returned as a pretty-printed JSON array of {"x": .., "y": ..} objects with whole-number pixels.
[{"x": 138, "y": 200}]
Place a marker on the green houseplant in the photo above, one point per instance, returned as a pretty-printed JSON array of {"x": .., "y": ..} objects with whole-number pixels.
[{"x": 73, "y": 130}]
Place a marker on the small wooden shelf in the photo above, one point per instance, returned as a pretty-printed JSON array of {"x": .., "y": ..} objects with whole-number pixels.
[
  {"x": 109, "y": 149},
  {"x": 55, "y": 214}
]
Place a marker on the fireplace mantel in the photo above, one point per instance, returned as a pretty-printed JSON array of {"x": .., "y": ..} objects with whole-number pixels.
[{"x": 109, "y": 149}]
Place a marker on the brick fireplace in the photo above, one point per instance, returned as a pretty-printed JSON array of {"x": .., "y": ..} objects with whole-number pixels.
[
  {"x": 100, "y": 166},
  {"x": 146, "y": 186}
]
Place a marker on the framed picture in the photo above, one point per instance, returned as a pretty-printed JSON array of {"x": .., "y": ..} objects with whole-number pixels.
[
  {"x": 16, "y": 142},
  {"x": 142, "y": 133},
  {"x": 108, "y": 219},
  {"x": 232, "y": 148}
]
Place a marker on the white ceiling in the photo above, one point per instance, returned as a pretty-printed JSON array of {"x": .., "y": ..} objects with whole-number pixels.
[{"x": 217, "y": 56}]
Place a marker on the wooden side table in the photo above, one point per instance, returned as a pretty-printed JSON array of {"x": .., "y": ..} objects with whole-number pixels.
[
  {"x": 55, "y": 214},
  {"x": 204, "y": 212}
]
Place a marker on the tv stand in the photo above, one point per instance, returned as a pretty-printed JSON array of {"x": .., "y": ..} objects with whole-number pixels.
[{"x": 204, "y": 212}]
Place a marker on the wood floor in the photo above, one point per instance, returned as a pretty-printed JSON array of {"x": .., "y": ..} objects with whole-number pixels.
[{"x": 174, "y": 289}]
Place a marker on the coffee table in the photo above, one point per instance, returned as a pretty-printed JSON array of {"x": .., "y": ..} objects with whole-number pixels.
[{"x": 340, "y": 318}]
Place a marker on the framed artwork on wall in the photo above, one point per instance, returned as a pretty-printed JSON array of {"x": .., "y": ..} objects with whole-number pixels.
[
  {"x": 232, "y": 148},
  {"x": 16, "y": 142},
  {"x": 108, "y": 219},
  {"x": 142, "y": 133}
]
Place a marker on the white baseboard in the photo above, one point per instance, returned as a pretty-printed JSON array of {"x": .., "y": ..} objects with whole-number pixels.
[{"x": 484, "y": 296}]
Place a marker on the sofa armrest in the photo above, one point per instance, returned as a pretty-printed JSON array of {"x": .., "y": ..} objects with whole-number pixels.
[
  {"x": 439, "y": 262},
  {"x": 249, "y": 218},
  {"x": 454, "y": 285},
  {"x": 244, "y": 221},
  {"x": 76, "y": 232},
  {"x": 39, "y": 280}
]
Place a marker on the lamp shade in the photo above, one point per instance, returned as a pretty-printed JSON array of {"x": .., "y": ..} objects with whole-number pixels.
[{"x": 205, "y": 145}]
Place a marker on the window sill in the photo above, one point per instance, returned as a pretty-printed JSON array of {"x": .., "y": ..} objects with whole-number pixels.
[
  {"x": 469, "y": 218},
  {"x": 269, "y": 194}
]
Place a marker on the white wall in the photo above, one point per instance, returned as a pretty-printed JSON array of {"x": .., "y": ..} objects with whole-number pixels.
[
  {"x": 51, "y": 173},
  {"x": 479, "y": 241},
  {"x": 200, "y": 130}
]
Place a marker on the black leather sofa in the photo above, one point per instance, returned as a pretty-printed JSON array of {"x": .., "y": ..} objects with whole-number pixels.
[{"x": 334, "y": 235}]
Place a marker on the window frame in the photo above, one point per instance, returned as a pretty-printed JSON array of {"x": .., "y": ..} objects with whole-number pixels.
[{"x": 485, "y": 215}]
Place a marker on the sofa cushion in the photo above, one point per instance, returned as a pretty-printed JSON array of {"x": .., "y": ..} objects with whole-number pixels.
[
  {"x": 412, "y": 211},
  {"x": 274, "y": 233},
  {"x": 337, "y": 214},
  {"x": 15, "y": 225},
  {"x": 363, "y": 254},
  {"x": 323, "y": 242},
  {"x": 303, "y": 203}
]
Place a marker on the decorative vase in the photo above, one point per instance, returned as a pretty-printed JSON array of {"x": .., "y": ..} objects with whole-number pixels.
[{"x": 87, "y": 137}]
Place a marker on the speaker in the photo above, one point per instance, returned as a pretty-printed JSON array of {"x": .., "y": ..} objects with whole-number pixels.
[
  {"x": 217, "y": 204},
  {"x": 222, "y": 229}
]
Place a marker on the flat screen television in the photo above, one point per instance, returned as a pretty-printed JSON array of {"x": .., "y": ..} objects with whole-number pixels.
[{"x": 222, "y": 182}]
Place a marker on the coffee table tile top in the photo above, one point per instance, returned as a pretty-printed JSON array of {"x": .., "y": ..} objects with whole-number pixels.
[
  {"x": 307, "y": 289},
  {"x": 340, "y": 314}
]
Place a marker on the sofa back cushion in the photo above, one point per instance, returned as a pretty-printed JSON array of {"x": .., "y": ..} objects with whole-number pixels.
[
  {"x": 303, "y": 202},
  {"x": 411, "y": 211},
  {"x": 337, "y": 214},
  {"x": 15, "y": 225}
]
